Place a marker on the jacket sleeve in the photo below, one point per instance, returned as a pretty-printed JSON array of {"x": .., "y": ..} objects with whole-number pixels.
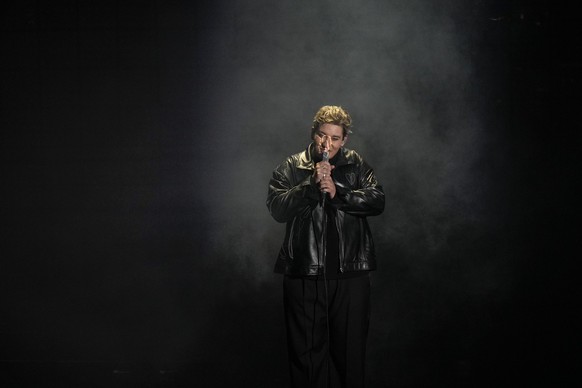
[
  {"x": 286, "y": 198},
  {"x": 367, "y": 200}
]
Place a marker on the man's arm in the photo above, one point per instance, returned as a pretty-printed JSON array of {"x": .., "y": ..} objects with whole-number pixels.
[
  {"x": 368, "y": 200},
  {"x": 287, "y": 199}
]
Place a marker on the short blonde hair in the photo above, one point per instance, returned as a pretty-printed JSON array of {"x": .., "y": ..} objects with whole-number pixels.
[{"x": 330, "y": 114}]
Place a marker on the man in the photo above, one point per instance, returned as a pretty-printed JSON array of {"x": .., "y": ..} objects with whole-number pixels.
[{"x": 324, "y": 195}]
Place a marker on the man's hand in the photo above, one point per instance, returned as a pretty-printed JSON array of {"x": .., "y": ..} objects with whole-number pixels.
[{"x": 322, "y": 176}]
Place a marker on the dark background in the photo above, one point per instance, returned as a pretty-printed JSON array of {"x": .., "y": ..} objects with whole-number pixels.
[{"x": 138, "y": 138}]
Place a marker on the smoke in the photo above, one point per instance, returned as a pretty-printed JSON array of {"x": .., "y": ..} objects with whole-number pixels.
[
  {"x": 144, "y": 138},
  {"x": 398, "y": 67}
]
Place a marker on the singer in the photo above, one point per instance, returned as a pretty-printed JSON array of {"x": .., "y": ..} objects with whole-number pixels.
[{"x": 324, "y": 195}]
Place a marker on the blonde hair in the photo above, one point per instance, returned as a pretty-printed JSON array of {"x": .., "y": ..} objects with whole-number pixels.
[{"x": 330, "y": 114}]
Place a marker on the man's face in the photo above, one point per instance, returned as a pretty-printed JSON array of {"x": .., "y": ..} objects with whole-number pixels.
[{"x": 329, "y": 137}]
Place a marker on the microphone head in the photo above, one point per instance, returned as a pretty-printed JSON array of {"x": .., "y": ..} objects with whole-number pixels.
[{"x": 325, "y": 156}]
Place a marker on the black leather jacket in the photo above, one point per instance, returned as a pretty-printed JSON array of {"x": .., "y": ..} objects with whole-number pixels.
[{"x": 294, "y": 198}]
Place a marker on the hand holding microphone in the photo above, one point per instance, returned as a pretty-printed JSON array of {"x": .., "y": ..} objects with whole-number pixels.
[{"x": 323, "y": 169}]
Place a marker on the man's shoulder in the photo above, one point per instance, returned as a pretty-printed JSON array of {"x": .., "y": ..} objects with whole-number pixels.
[
  {"x": 300, "y": 159},
  {"x": 351, "y": 157},
  {"x": 298, "y": 156}
]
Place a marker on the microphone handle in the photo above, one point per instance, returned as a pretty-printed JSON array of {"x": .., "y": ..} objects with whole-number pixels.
[{"x": 325, "y": 158}]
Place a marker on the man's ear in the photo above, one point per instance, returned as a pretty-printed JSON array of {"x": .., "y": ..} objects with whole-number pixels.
[{"x": 344, "y": 140}]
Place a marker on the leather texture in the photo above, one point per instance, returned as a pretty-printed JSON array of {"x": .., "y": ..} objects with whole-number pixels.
[{"x": 295, "y": 199}]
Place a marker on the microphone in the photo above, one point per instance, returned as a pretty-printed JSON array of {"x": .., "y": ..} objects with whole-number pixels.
[
  {"x": 325, "y": 144},
  {"x": 324, "y": 158}
]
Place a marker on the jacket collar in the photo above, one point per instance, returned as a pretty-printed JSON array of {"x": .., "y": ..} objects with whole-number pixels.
[{"x": 307, "y": 162}]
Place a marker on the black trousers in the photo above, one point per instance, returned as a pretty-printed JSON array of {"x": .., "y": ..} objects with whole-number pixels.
[{"x": 318, "y": 357}]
